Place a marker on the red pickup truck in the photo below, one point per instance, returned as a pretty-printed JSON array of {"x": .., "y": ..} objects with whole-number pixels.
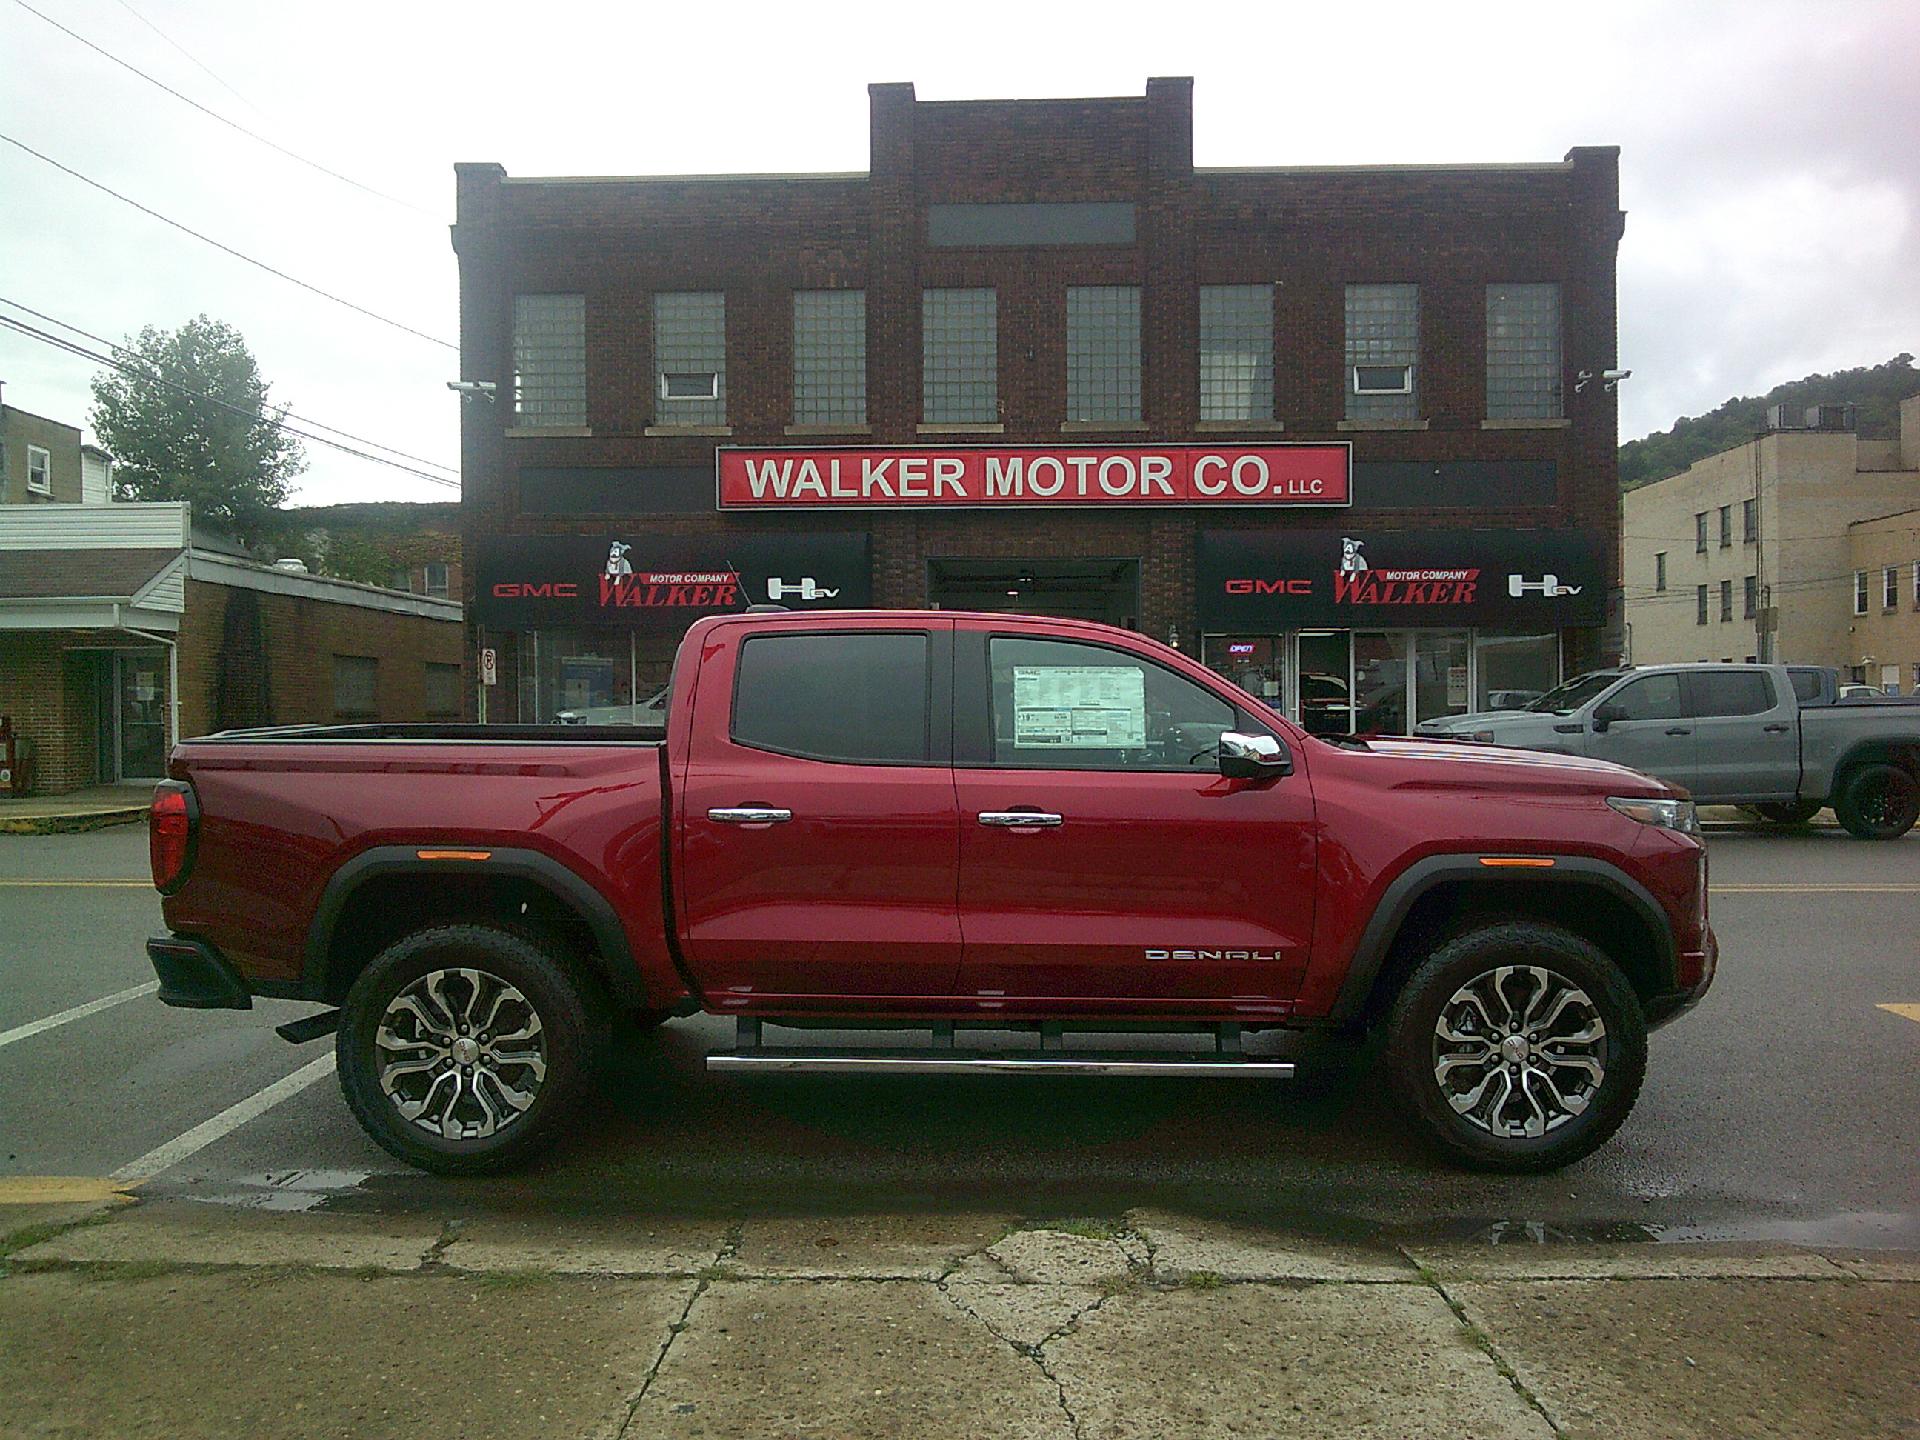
[{"x": 932, "y": 825}]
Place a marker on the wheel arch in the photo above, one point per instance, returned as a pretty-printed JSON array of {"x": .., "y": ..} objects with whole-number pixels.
[
  {"x": 1903, "y": 753},
  {"x": 389, "y": 891},
  {"x": 1444, "y": 895}
]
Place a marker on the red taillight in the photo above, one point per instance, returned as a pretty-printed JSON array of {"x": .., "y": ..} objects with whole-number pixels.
[{"x": 170, "y": 826}]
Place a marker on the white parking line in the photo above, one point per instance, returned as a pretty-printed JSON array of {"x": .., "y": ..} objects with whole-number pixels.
[
  {"x": 193, "y": 1141},
  {"x": 78, "y": 1012}
]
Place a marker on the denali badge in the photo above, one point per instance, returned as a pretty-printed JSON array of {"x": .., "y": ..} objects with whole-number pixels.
[{"x": 1257, "y": 957}]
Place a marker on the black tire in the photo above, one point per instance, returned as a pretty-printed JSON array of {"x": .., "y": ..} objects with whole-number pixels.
[
  {"x": 1795, "y": 812},
  {"x": 571, "y": 1030},
  {"x": 1414, "y": 1051},
  {"x": 1878, "y": 802}
]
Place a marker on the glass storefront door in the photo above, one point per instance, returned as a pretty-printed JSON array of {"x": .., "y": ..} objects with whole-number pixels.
[
  {"x": 1380, "y": 665},
  {"x": 1324, "y": 703},
  {"x": 141, "y": 696},
  {"x": 1439, "y": 674}
]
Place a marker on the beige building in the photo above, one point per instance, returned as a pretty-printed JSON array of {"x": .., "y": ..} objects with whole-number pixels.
[
  {"x": 1751, "y": 554},
  {"x": 1885, "y": 628}
]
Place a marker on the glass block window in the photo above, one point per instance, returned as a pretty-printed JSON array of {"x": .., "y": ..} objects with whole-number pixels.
[
  {"x": 1523, "y": 352},
  {"x": 1383, "y": 344},
  {"x": 690, "y": 357},
  {"x": 960, "y": 358},
  {"x": 1236, "y": 352},
  {"x": 550, "y": 360},
  {"x": 1103, "y": 352},
  {"x": 829, "y": 357}
]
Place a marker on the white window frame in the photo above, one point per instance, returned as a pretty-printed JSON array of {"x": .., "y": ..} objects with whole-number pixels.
[
  {"x": 668, "y": 392},
  {"x": 427, "y": 585},
  {"x": 1405, "y": 387},
  {"x": 1890, "y": 587},
  {"x": 44, "y": 457},
  {"x": 1859, "y": 592}
]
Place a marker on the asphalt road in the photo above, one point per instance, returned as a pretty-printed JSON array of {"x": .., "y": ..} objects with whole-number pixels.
[{"x": 1787, "y": 1107}]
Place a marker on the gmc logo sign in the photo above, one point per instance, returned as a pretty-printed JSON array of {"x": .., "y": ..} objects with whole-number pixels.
[
  {"x": 1269, "y": 587},
  {"x": 535, "y": 590}
]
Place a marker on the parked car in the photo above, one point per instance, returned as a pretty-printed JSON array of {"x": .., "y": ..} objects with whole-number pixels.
[
  {"x": 651, "y": 711},
  {"x": 1732, "y": 735},
  {"x": 957, "y": 822}
]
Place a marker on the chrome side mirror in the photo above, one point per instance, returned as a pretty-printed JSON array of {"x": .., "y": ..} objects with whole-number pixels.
[{"x": 1253, "y": 757}]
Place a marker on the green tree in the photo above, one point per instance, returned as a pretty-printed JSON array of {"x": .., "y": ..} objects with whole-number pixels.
[{"x": 189, "y": 418}]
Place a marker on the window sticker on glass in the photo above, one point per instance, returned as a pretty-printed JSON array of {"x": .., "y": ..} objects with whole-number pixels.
[{"x": 1079, "y": 707}]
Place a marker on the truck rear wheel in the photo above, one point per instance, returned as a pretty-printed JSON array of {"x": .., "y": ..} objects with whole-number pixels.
[
  {"x": 1517, "y": 1047},
  {"x": 464, "y": 1048},
  {"x": 1878, "y": 802}
]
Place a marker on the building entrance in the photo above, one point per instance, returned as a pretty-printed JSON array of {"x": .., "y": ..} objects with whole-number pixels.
[{"x": 1107, "y": 590}]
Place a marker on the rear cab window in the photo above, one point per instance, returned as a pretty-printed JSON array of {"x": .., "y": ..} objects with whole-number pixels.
[
  {"x": 1730, "y": 692},
  {"x": 856, "y": 698}
]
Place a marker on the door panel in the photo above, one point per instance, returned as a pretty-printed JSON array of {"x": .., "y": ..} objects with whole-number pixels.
[
  {"x": 853, "y": 893},
  {"x": 1748, "y": 743},
  {"x": 1161, "y": 881},
  {"x": 1656, "y": 735}
]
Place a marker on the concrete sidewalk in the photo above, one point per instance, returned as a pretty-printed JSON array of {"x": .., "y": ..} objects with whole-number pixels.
[
  {"x": 91, "y": 809},
  {"x": 185, "y": 1319}
]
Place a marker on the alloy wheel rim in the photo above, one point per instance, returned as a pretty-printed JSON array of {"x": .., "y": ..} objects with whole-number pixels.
[
  {"x": 1519, "y": 1051},
  {"x": 462, "y": 1053}
]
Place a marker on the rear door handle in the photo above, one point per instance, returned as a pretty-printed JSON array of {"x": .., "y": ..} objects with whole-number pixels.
[
  {"x": 1779, "y": 727},
  {"x": 1679, "y": 730},
  {"x": 1009, "y": 819},
  {"x": 749, "y": 815}
]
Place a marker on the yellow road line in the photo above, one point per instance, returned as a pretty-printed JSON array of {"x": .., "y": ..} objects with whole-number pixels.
[
  {"x": 77, "y": 884},
  {"x": 1785, "y": 888},
  {"x": 1912, "y": 1012},
  {"x": 59, "y": 1189}
]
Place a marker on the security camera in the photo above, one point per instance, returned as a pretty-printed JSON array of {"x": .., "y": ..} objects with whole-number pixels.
[
  {"x": 473, "y": 389},
  {"x": 1614, "y": 377}
]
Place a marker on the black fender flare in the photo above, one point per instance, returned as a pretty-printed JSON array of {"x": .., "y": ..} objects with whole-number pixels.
[
  {"x": 613, "y": 962},
  {"x": 1376, "y": 941},
  {"x": 1903, "y": 752}
]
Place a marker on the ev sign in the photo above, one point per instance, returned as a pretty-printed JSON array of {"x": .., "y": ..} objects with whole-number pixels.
[{"x": 489, "y": 667}]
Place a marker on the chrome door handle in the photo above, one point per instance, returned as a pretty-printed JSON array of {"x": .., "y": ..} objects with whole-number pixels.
[
  {"x": 749, "y": 815},
  {"x": 1009, "y": 819}
]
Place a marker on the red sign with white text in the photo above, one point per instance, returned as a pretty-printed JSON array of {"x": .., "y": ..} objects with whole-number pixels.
[{"x": 993, "y": 477}]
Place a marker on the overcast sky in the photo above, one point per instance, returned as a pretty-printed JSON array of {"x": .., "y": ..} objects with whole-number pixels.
[{"x": 1770, "y": 166}]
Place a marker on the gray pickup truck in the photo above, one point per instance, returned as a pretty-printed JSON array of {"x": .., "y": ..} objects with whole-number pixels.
[{"x": 1772, "y": 737}]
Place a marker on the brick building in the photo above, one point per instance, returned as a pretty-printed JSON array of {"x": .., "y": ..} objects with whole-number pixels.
[
  {"x": 1344, "y": 432},
  {"x": 121, "y": 629}
]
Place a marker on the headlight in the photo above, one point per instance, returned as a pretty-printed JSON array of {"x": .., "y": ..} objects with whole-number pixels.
[{"x": 1667, "y": 814}]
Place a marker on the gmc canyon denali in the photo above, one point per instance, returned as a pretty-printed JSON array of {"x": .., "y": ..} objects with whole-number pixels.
[{"x": 933, "y": 825}]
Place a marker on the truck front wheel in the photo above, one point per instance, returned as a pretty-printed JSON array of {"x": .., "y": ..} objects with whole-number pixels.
[
  {"x": 1878, "y": 802},
  {"x": 464, "y": 1048},
  {"x": 1517, "y": 1047}
]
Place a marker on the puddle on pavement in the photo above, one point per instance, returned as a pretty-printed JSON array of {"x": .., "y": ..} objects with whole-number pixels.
[{"x": 366, "y": 1192}]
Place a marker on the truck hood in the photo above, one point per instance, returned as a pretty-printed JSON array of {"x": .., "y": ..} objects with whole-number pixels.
[
  {"x": 1461, "y": 724},
  {"x": 1448, "y": 764}
]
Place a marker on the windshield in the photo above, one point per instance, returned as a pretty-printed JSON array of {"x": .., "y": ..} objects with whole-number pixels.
[{"x": 1567, "y": 698}]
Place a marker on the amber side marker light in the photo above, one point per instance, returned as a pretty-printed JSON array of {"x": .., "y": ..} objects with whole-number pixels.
[
  {"x": 1518, "y": 862},
  {"x": 454, "y": 854}
]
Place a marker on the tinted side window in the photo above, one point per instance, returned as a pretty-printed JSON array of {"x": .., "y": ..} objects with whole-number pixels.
[
  {"x": 1736, "y": 692},
  {"x": 1653, "y": 697},
  {"x": 857, "y": 698},
  {"x": 1064, "y": 706},
  {"x": 1806, "y": 686}
]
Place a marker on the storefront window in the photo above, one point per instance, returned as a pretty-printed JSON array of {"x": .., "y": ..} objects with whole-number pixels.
[
  {"x": 1439, "y": 674},
  {"x": 1256, "y": 663},
  {"x": 1516, "y": 670},
  {"x": 593, "y": 677}
]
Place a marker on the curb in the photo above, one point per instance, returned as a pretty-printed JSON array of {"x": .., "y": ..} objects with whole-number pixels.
[{"x": 70, "y": 824}]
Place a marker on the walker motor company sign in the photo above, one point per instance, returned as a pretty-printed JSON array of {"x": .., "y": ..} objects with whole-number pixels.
[
  {"x": 1034, "y": 476},
  {"x": 529, "y": 581}
]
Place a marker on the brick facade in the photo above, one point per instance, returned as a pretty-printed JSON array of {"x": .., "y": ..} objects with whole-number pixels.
[
  {"x": 47, "y": 688},
  {"x": 1309, "y": 232}
]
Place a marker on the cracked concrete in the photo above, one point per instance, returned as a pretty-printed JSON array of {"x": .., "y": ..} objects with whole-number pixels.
[{"x": 1159, "y": 1326}]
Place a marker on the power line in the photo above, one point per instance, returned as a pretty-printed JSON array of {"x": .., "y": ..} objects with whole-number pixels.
[
  {"x": 228, "y": 249},
  {"x": 189, "y": 54},
  {"x": 304, "y": 420},
  {"x": 214, "y": 114},
  {"x": 34, "y": 333}
]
